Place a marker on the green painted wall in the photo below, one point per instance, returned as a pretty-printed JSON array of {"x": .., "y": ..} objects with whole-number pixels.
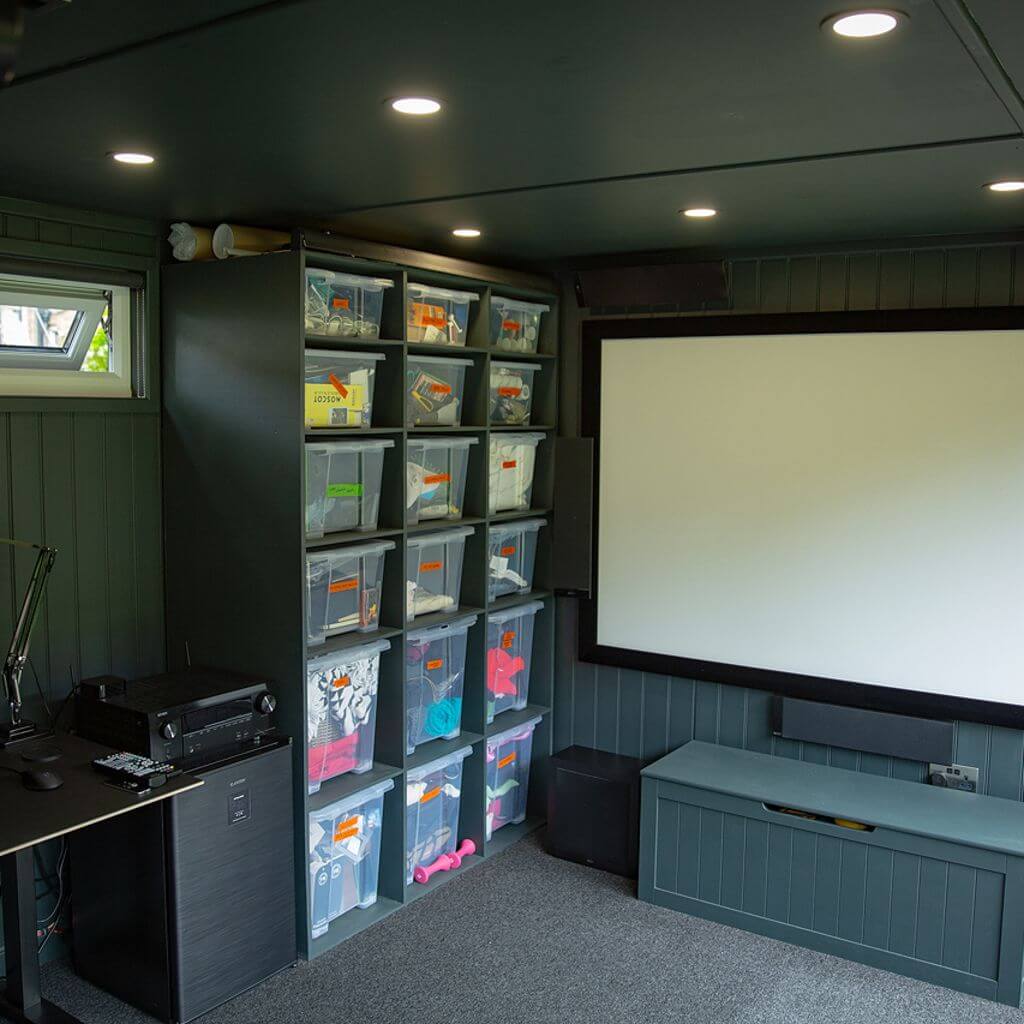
[
  {"x": 84, "y": 476},
  {"x": 642, "y": 714}
]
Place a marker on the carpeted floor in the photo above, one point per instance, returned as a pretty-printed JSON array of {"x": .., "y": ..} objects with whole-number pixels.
[{"x": 527, "y": 939}]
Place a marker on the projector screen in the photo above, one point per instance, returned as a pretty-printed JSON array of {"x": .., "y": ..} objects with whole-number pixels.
[{"x": 839, "y": 508}]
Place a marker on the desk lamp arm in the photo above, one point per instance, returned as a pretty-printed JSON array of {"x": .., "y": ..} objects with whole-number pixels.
[{"x": 17, "y": 651}]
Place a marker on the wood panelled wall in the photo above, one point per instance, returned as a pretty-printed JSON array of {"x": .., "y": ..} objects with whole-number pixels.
[
  {"x": 647, "y": 715},
  {"x": 84, "y": 476}
]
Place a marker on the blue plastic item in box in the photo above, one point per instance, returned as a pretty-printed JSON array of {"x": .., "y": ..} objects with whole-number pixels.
[{"x": 435, "y": 671}]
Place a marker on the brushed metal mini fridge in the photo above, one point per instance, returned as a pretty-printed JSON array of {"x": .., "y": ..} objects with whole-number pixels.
[{"x": 182, "y": 906}]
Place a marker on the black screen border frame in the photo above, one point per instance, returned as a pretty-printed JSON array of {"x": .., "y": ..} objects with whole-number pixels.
[{"x": 874, "y": 697}]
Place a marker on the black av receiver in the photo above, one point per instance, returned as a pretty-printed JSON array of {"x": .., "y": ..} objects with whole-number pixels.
[{"x": 180, "y": 716}]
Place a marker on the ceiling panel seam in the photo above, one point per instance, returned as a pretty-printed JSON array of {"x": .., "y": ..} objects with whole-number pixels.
[
  {"x": 782, "y": 161},
  {"x": 966, "y": 27}
]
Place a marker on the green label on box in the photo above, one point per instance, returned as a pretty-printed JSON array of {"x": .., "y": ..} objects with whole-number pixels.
[{"x": 344, "y": 490}]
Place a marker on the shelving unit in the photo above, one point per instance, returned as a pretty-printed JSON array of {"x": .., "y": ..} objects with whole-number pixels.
[{"x": 234, "y": 437}]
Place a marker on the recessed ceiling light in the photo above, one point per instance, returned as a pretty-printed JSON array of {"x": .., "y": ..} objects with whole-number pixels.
[
  {"x": 864, "y": 24},
  {"x": 138, "y": 159},
  {"x": 699, "y": 212},
  {"x": 466, "y": 232},
  {"x": 419, "y": 106},
  {"x": 1006, "y": 186}
]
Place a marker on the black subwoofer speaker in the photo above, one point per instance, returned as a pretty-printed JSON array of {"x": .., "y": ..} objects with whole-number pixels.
[{"x": 594, "y": 809}]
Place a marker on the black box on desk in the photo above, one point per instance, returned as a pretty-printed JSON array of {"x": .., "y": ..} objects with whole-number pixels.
[{"x": 594, "y": 809}]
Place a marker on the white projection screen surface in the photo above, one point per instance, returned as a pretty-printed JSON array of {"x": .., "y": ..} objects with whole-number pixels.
[{"x": 845, "y": 506}]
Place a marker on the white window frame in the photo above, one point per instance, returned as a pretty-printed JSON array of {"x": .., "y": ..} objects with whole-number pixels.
[{"x": 25, "y": 372}]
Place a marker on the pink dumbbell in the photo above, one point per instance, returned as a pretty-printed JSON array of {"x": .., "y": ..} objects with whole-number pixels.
[{"x": 446, "y": 862}]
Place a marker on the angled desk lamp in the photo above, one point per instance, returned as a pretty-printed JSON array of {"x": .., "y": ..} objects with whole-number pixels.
[{"x": 17, "y": 652}]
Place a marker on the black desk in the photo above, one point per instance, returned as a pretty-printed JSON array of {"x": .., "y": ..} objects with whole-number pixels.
[{"x": 28, "y": 818}]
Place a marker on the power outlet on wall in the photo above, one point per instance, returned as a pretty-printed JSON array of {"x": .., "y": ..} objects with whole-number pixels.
[{"x": 954, "y": 776}]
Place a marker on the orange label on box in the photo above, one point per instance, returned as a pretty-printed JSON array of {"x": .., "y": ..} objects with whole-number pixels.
[
  {"x": 346, "y": 829},
  {"x": 511, "y": 325},
  {"x": 338, "y": 386},
  {"x": 430, "y": 566},
  {"x": 505, "y": 552},
  {"x": 506, "y": 639},
  {"x": 430, "y": 794},
  {"x": 437, "y": 478},
  {"x": 434, "y": 663},
  {"x": 510, "y": 392},
  {"x": 339, "y": 303},
  {"x": 506, "y": 761},
  {"x": 341, "y": 682},
  {"x": 343, "y": 585},
  {"x": 426, "y": 315},
  {"x": 511, "y": 464},
  {"x": 441, "y": 389}
]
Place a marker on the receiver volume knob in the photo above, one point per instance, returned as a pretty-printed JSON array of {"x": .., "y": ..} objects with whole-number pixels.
[
  {"x": 265, "y": 703},
  {"x": 169, "y": 731}
]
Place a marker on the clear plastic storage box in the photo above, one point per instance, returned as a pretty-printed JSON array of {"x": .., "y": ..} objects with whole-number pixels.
[
  {"x": 344, "y": 855},
  {"x": 511, "y": 392},
  {"x": 510, "y": 476},
  {"x": 341, "y": 711},
  {"x": 509, "y": 656},
  {"x": 434, "y": 571},
  {"x": 508, "y": 775},
  {"x": 432, "y": 794},
  {"x": 438, "y": 316},
  {"x": 515, "y": 324},
  {"x": 344, "y": 305},
  {"x": 435, "y": 671},
  {"x": 343, "y": 485},
  {"x": 434, "y": 387},
  {"x": 339, "y": 388},
  {"x": 343, "y": 589},
  {"x": 511, "y": 554},
  {"x": 435, "y": 481}
]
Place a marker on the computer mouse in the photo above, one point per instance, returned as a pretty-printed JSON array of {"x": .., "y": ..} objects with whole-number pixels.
[{"x": 41, "y": 779}]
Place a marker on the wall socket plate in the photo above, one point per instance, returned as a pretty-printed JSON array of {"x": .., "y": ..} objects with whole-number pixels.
[{"x": 954, "y": 776}]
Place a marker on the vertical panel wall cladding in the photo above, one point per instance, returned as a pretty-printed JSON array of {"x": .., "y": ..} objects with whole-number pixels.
[
  {"x": 645, "y": 715},
  {"x": 83, "y": 476}
]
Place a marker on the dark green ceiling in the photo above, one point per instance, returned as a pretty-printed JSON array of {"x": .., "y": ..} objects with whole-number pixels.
[{"x": 568, "y": 127}]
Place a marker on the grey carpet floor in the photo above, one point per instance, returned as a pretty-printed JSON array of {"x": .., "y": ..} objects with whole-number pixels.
[{"x": 528, "y": 939}]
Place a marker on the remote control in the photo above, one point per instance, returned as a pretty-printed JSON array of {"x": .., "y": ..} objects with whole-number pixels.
[{"x": 133, "y": 771}]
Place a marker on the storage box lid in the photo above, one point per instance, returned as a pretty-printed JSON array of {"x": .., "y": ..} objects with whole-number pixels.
[
  {"x": 334, "y": 447},
  {"x": 516, "y": 732},
  {"x": 453, "y": 628},
  {"x": 374, "y": 284},
  {"x": 517, "y": 611},
  {"x": 446, "y": 360},
  {"x": 347, "y": 805},
  {"x": 420, "y": 540},
  {"x": 362, "y": 652},
  {"x": 515, "y": 526},
  {"x": 417, "y": 774},
  {"x": 441, "y": 442},
  {"x": 509, "y": 439},
  {"x": 346, "y": 554},
  {"x": 520, "y": 305},
  {"x": 517, "y": 367},
  {"x": 441, "y": 293},
  {"x": 344, "y": 356}
]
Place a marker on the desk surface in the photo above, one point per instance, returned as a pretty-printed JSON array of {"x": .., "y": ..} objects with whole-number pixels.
[
  {"x": 28, "y": 817},
  {"x": 985, "y": 821}
]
